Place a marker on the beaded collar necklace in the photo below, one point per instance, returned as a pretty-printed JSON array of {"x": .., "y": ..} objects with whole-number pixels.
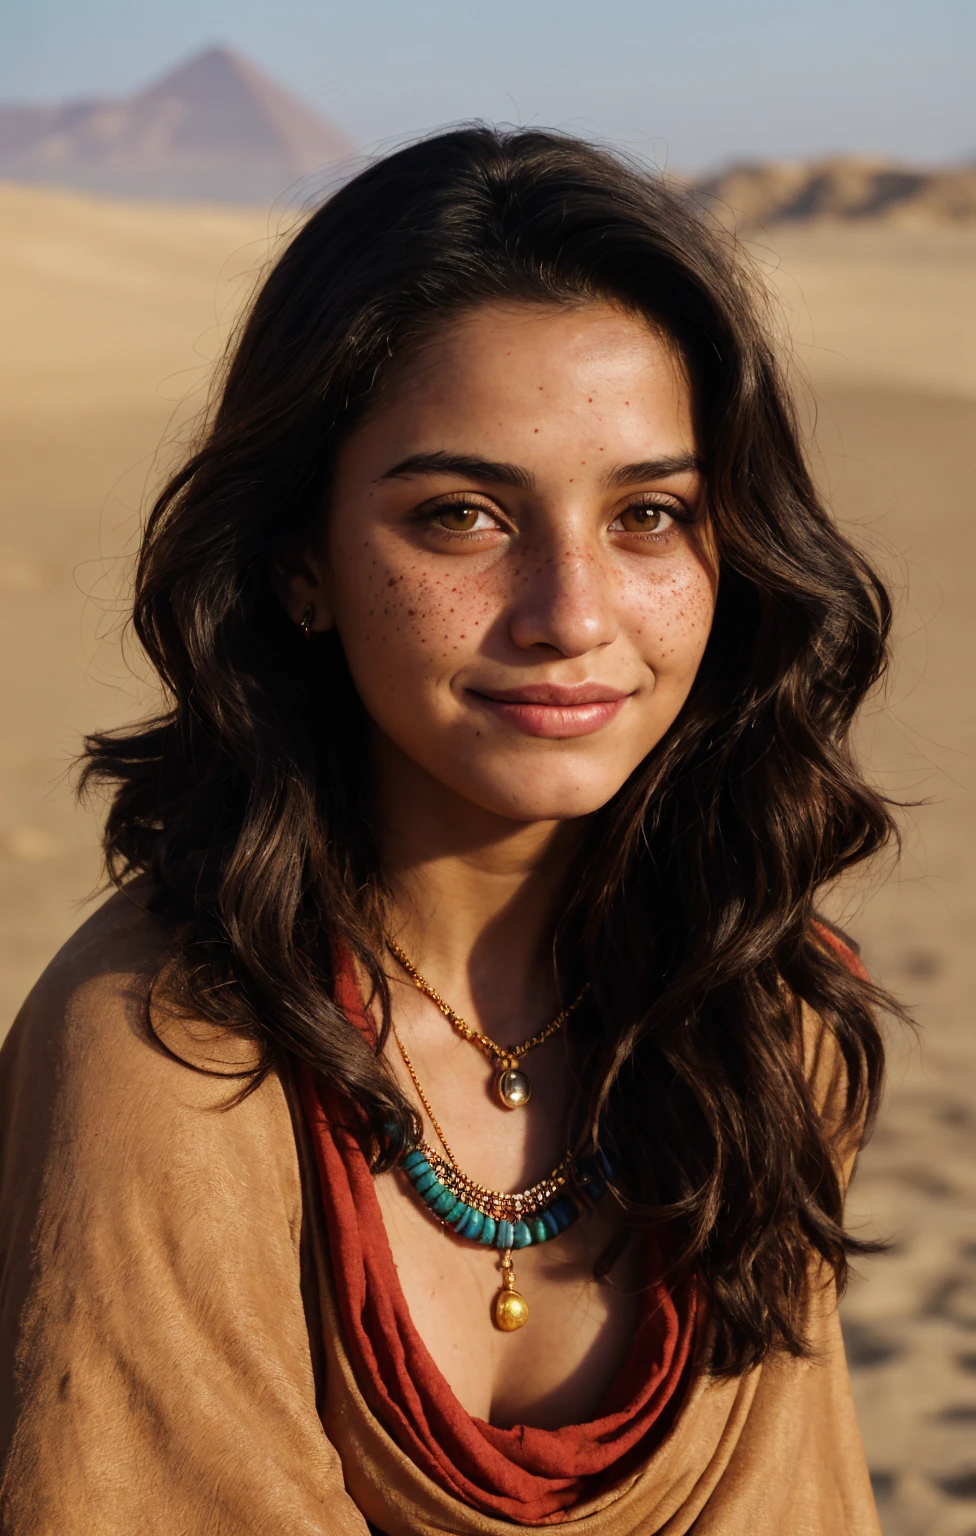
[{"x": 495, "y": 1218}]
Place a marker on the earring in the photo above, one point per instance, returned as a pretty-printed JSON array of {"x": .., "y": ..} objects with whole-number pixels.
[{"x": 306, "y": 621}]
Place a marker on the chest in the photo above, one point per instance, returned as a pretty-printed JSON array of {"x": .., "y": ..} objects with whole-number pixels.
[{"x": 557, "y": 1368}]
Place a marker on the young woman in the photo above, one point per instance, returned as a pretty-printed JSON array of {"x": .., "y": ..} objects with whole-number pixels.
[{"x": 445, "y": 1126}]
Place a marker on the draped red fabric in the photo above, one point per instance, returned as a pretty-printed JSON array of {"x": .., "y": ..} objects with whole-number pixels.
[
  {"x": 842, "y": 948},
  {"x": 531, "y": 1476}
]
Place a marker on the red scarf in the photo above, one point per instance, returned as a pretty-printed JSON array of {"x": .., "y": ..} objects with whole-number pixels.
[{"x": 530, "y": 1476}]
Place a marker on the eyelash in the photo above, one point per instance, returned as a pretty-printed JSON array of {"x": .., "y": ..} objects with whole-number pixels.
[
  {"x": 430, "y": 515},
  {"x": 678, "y": 513}
]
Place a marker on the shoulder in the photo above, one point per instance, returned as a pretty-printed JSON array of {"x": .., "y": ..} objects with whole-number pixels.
[
  {"x": 840, "y": 945},
  {"x": 94, "y": 998},
  {"x": 84, "y": 1078},
  {"x": 86, "y": 1015},
  {"x": 823, "y": 1060},
  {"x": 824, "y": 1064},
  {"x": 155, "y": 1363},
  {"x": 120, "y": 939}
]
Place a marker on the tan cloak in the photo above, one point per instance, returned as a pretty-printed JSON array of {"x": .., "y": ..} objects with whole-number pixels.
[{"x": 170, "y": 1360}]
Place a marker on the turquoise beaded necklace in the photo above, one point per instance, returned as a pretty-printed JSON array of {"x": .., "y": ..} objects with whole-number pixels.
[{"x": 494, "y": 1218}]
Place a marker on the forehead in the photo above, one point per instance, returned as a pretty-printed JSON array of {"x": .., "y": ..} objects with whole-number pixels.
[{"x": 531, "y": 372}]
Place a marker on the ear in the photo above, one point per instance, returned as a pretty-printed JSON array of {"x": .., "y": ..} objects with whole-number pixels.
[{"x": 298, "y": 579}]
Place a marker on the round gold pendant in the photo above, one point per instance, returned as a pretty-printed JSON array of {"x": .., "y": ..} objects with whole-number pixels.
[
  {"x": 514, "y": 1087},
  {"x": 510, "y": 1311}
]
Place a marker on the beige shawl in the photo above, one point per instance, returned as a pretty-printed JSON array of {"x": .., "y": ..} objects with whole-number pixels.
[{"x": 170, "y": 1358}]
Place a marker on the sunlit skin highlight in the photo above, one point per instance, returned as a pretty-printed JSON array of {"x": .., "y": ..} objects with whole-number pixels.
[
  {"x": 516, "y": 557},
  {"x": 523, "y": 511}
]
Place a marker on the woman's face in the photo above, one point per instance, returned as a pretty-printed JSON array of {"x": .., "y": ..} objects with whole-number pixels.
[{"x": 514, "y": 557}]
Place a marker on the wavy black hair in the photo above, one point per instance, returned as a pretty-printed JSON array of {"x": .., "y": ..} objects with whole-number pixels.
[{"x": 693, "y": 902}]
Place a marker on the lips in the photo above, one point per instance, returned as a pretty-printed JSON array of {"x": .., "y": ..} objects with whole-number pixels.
[
  {"x": 560, "y": 695},
  {"x": 554, "y": 710}
]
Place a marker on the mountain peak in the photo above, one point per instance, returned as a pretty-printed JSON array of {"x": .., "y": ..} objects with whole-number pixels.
[
  {"x": 209, "y": 69},
  {"x": 214, "y": 126}
]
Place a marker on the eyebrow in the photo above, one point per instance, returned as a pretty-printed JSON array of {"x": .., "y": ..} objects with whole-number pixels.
[
  {"x": 491, "y": 471},
  {"x": 468, "y": 465},
  {"x": 653, "y": 469}
]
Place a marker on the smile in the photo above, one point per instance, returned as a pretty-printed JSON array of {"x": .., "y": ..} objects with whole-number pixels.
[{"x": 554, "y": 710}]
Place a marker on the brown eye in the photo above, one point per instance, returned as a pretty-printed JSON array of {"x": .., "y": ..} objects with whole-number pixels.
[
  {"x": 646, "y": 519},
  {"x": 459, "y": 519},
  {"x": 463, "y": 517}
]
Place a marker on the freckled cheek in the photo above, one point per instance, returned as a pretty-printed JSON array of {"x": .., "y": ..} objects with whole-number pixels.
[
  {"x": 671, "y": 616},
  {"x": 399, "y": 612}
]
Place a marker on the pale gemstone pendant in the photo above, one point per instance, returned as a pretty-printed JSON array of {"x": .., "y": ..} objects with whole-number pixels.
[{"x": 513, "y": 1087}]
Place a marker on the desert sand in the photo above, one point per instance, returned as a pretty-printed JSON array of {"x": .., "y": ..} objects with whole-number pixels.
[{"x": 112, "y": 315}]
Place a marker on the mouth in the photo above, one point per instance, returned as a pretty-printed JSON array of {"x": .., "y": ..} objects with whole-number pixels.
[{"x": 554, "y": 710}]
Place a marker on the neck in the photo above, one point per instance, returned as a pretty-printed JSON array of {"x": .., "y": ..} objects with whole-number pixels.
[{"x": 475, "y": 895}]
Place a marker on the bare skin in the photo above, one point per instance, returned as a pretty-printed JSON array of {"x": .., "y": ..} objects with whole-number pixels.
[{"x": 523, "y": 508}]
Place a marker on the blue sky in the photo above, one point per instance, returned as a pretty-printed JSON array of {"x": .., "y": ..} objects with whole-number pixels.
[{"x": 690, "y": 82}]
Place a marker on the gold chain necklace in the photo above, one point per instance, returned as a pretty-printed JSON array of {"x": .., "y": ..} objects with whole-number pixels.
[
  {"x": 492, "y": 1202},
  {"x": 513, "y": 1086},
  {"x": 509, "y": 1309}
]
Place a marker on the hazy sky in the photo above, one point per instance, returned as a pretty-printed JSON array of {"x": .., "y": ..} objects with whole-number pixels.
[{"x": 693, "y": 82}]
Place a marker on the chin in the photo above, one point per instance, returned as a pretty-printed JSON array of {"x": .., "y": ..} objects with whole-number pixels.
[{"x": 550, "y": 793}]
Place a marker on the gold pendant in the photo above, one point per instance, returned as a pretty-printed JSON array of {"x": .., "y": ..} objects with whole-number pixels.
[
  {"x": 513, "y": 1086},
  {"x": 510, "y": 1310}
]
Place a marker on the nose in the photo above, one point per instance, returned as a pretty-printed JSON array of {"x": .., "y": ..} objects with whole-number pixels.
[{"x": 566, "y": 604}]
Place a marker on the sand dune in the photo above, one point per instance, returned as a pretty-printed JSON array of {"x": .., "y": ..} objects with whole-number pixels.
[
  {"x": 843, "y": 189},
  {"x": 106, "y": 302},
  {"x": 112, "y": 314}
]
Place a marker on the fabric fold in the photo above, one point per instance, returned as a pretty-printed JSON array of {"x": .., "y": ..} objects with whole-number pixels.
[{"x": 522, "y": 1473}]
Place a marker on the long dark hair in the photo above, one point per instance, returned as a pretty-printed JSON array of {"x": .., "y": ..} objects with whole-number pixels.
[{"x": 695, "y": 893}]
